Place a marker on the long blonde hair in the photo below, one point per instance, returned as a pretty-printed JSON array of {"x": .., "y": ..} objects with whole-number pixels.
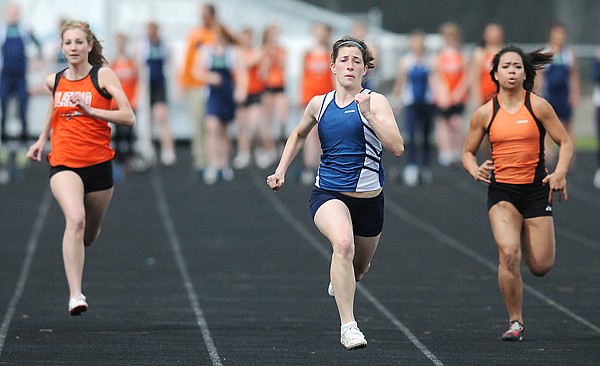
[{"x": 95, "y": 56}]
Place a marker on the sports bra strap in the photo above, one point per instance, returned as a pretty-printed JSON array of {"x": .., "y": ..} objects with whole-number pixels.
[
  {"x": 57, "y": 78},
  {"x": 94, "y": 77},
  {"x": 495, "y": 110}
]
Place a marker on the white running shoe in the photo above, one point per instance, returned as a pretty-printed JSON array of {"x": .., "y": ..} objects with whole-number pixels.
[
  {"x": 330, "y": 290},
  {"x": 597, "y": 179},
  {"x": 241, "y": 161},
  {"x": 168, "y": 158},
  {"x": 411, "y": 175},
  {"x": 78, "y": 305},
  {"x": 210, "y": 176},
  {"x": 352, "y": 337},
  {"x": 227, "y": 174}
]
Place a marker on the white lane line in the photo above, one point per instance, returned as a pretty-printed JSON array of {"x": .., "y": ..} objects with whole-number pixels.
[
  {"x": 183, "y": 269},
  {"x": 455, "y": 244},
  {"x": 32, "y": 245},
  {"x": 287, "y": 216}
]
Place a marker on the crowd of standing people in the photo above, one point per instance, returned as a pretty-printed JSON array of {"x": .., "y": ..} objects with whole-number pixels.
[{"x": 249, "y": 98}]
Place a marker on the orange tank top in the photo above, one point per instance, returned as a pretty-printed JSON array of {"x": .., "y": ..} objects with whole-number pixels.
[
  {"x": 452, "y": 68},
  {"x": 517, "y": 144},
  {"x": 255, "y": 82},
  {"x": 78, "y": 140},
  {"x": 126, "y": 70},
  {"x": 486, "y": 84},
  {"x": 275, "y": 74},
  {"x": 317, "y": 78}
]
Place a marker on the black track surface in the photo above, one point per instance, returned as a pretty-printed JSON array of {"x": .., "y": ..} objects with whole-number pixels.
[{"x": 233, "y": 274}]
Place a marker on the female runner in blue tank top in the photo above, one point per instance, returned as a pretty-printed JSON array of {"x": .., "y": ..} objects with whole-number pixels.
[{"x": 354, "y": 126}]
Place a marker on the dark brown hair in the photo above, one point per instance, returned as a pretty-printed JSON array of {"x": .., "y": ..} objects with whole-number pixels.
[{"x": 348, "y": 41}]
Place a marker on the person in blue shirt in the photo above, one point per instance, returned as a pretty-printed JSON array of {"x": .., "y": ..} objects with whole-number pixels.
[
  {"x": 14, "y": 40},
  {"x": 155, "y": 56},
  {"x": 355, "y": 125},
  {"x": 412, "y": 91},
  {"x": 560, "y": 82}
]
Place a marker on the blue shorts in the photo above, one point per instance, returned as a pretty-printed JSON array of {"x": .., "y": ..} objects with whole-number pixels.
[
  {"x": 531, "y": 200},
  {"x": 366, "y": 213},
  {"x": 95, "y": 178}
]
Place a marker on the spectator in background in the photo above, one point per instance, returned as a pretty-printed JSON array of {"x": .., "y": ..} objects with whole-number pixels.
[
  {"x": 217, "y": 65},
  {"x": 482, "y": 86},
  {"x": 560, "y": 82},
  {"x": 596, "y": 99},
  {"x": 154, "y": 57},
  {"x": 249, "y": 112},
  {"x": 14, "y": 39},
  {"x": 125, "y": 66},
  {"x": 450, "y": 94},
  {"x": 412, "y": 90},
  {"x": 360, "y": 30},
  {"x": 204, "y": 34},
  {"x": 316, "y": 80},
  {"x": 275, "y": 101}
]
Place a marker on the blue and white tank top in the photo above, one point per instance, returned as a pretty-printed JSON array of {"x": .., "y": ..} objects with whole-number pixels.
[
  {"x": 557, "y": 73},
  {"x": 416, "y": 89},
  {"x": 351, "y": 159}
]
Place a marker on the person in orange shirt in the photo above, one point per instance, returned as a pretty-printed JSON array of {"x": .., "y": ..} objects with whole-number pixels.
[
  {"x": 127, "y": 71},
  {"x": 520, "y": 189},
  {"x": 275, "y": 102},
  {"x": 482, "y": 86},
  {"x": 450, "y": 79},
  {"x": 249, "y": 112},
  {"x": 316, "y": 80},
  {"x": 204, "y": 34},
  {"x": 81, "y": 157}
]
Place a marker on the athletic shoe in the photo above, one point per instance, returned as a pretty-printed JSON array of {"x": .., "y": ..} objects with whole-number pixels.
[
  {"x": 411, "y": 175},
  {"x": 330, "y": 290},
  {"x": 210, "y": 176},
  {"x": 168, "y": 158},
  {"x": 226, "y": 174},
  {"x": 78, "y": 305},
  {"x": 515, "y": 332},
  {"x": 597, "y": 179},
  {"x": 241, "y": 161},
  {"x": 21, "y": 159},
  {"x": 264, "y": 159},
  {"x": 352, "y": 337},
  {"x": 4, "y": 176}
]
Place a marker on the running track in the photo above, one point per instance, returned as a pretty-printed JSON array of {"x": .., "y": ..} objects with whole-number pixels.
[{"x": 233, "y": 274}]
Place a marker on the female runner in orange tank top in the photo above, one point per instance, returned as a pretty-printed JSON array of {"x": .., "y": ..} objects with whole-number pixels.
[
  {"x": 80, "y": 160},
  {"x": 519, "y": 188}
]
